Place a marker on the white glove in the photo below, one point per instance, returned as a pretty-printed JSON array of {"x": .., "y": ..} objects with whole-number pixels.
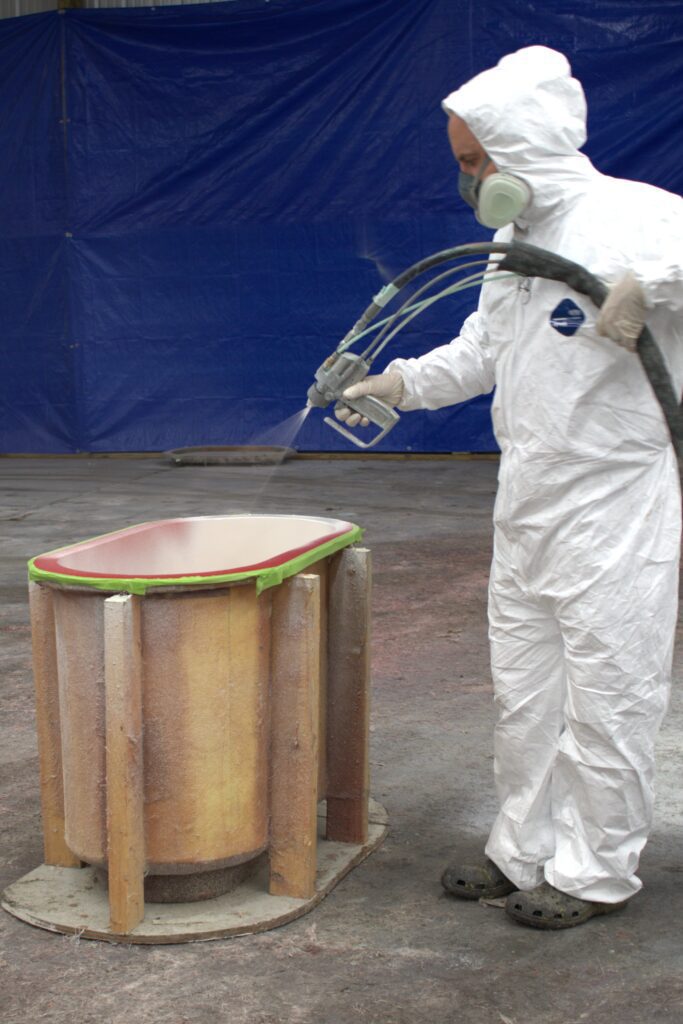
[
  {"x": 387, "y": 386},
  {"x": 622, "y": 314}
]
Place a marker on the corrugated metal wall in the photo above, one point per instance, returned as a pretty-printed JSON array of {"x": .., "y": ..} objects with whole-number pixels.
[{"x": 14, "y": 8}]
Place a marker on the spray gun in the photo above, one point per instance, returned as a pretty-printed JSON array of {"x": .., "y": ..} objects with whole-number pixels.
[
  {"x": 343, "y": 368},
  {"x": 339, "y": 372},
  {"x": 499, "y": 259}
]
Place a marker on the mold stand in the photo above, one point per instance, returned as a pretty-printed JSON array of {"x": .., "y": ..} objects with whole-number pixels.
[{"x": 187, "y": 741}]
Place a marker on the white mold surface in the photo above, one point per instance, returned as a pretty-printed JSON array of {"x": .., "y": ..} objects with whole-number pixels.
[{"x": 196, "y": 546}]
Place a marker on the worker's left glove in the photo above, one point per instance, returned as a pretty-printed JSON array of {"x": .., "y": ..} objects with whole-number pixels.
[{"x": 622, "y": 315}]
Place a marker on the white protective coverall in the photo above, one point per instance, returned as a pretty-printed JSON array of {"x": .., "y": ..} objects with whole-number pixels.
[{"x": 584, "y": 582}]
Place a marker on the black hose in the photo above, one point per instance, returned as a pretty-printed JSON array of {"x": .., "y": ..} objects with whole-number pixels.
[
  {"x": 534, "y": 262},
  {"x": 531, "y": 261}
]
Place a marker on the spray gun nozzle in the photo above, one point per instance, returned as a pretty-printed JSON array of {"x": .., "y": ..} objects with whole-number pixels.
[{"x": 316, "y": 398}]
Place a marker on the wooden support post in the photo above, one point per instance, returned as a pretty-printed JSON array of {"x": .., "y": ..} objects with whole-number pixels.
[
  {"x": 321, "y": 569},
  {"x": 348, "y": 705},
  {"x": 295, "y": 667},
  {"x": 48, "y": 727},
  {"x": 125, "y": 823}
]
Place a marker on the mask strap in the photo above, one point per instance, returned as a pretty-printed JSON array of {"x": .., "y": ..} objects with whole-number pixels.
[{"x": 480, "y": 172}]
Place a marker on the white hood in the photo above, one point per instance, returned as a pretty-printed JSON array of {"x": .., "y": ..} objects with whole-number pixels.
[{"x": 529, "y": 114}]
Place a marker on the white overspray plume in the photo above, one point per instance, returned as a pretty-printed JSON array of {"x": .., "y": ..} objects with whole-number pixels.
[
  {"x": 282, "y": 435},
  {"x": 365, "y": 251}
]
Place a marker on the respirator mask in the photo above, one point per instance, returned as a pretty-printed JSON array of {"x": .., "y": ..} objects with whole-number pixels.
[{"x": 498, "y": 199}]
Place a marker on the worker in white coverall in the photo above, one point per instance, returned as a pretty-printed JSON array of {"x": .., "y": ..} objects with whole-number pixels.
[{"x": 584, "y": 581}]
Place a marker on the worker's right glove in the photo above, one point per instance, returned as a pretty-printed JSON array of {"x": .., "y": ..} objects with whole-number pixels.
[
  {"x": 622, "y": 314},
  {"x": 387, "y": 386}
]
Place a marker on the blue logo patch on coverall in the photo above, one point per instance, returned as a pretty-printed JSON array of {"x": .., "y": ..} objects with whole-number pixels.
[{"x": 567, "y": 317}]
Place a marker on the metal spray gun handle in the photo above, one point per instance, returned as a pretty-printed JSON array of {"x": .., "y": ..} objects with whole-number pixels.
[{"x": 373, "y": 409}]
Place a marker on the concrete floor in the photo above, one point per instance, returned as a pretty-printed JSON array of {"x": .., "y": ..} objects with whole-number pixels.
[{"x": 386, "y": 947}]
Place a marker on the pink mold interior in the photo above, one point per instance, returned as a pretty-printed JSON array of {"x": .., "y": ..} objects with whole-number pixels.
[{"x": 196, "y": 546}]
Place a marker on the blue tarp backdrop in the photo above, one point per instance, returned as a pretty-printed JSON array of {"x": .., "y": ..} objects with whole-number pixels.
[{"x": 197, "y": 202}]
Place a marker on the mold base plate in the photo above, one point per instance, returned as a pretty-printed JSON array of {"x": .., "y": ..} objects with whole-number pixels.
[{"x": 74, "y": 901}]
